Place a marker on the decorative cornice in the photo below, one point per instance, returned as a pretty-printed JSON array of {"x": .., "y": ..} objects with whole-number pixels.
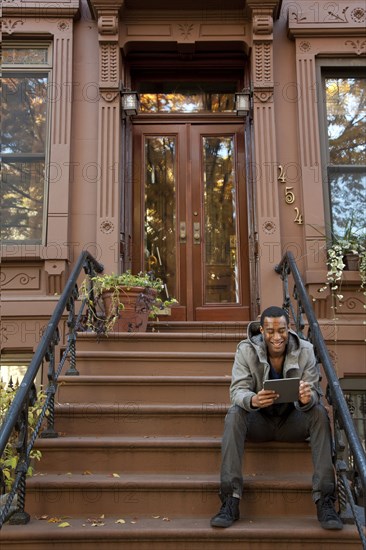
[
  {"x": 328, "y": 19},
  {"x": 41, "y": 9}
]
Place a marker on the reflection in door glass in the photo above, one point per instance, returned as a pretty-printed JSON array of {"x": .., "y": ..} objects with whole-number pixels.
[
  {"x": 160, "y": 209},
  {"x": 220, "y": 262}
]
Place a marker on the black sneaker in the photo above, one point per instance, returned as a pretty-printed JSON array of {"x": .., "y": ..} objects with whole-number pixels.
[
  {"x": 328, "y": 517},
  {"x": 229, "y": 512}
]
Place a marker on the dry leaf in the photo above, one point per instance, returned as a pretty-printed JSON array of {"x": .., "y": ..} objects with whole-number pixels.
[
  {"x": 156, "y": 517},
  {"x": 87, "y": 473},
  {"x": 120, "y": 521},
  {"x": 166, "y": 519},
  {"x": 64, "y": 524},
  {"x": 116, "y": 475},
  {"x": 42, "y": 517},
  {"x": 54, "y": 520}
]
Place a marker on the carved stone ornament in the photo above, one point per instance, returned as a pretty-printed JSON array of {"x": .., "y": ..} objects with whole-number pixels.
[
  {"x": 107, "y": 226},
  {"x": 264, "y": 96},
  {"x": 108, "y": 24},
  {"x": 63, "y": 26},
  {"x": 358, "y": 15},
  {"x": 185, "y": 30},
  {"x": 357, "y": 45},
  {"x": 263, "y": 64},
  {"x": 109, "y": 63},
  {"x": 269, "y": 227},
  {"x": 305, "y": 46},
  {"x": 8, "y": 26},
  {"x": 109, "y": 95}
]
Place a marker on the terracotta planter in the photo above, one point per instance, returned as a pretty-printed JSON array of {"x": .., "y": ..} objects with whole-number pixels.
[
  {"x": 351, "y": 262},
  {"x": 134, "y": 316}
]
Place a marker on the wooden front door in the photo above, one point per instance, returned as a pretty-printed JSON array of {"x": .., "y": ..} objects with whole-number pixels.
[{"x": 190, "y": 216}]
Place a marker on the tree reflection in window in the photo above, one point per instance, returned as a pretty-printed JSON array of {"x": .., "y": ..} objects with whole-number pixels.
[
  {"x": 187, "y": 102},
  {"x": 23, "y": 144},
  {"x": 160, "y": 209},
  {"x": 346, "y": 113}
]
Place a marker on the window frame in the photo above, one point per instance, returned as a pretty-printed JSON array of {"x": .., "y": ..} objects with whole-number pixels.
[
  {"x": 34, "y": 69},
  {"x": 327, "y": 68}
]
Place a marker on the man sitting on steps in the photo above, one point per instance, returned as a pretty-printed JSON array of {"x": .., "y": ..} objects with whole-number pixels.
[{"x": 273, "y": 352}]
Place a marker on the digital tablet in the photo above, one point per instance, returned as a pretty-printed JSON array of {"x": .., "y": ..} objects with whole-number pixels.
[{"x": 287, "y": 388}]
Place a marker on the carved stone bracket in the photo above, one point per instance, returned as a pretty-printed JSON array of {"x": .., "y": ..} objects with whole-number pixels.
[{"x": 108, "y": 23}]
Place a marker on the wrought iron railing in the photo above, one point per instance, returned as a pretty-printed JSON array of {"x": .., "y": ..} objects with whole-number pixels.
[
  {"x": 350, "y": 471},
  {"x": 16, "y": 420}
]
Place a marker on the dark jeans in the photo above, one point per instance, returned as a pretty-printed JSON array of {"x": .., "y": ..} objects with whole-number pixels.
[{"x": 258, "y": 426}]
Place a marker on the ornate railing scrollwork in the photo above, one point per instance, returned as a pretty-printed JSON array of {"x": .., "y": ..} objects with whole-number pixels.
[
  {"x": 16, "y": 420},
  {"x": 351, "y": 473}
]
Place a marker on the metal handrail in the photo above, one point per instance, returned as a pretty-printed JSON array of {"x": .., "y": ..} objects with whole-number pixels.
[
  {"x": 17, "y": 415},
  {"x": 342, "y": 417}
]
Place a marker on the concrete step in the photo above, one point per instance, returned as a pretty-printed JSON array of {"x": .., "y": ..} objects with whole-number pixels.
[
  {"x": 152, "y": 363},
  {"x": 143, "y": 389},
  {"x": 176, "y": 455},
  {"x": 190, "y": 533},
  {"x": 172, "y": 495}
]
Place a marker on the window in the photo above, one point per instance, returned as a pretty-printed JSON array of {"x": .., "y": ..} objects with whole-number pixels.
[
  {"x": 24, "y": 129},
  {"x": 187, "y": 97},
  {"x": 345, "y": 113}
]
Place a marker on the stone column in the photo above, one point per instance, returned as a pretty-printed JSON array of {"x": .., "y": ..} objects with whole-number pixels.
[
  {"x": 109, "y": 135},
  {"x": 265, "y": 155}
]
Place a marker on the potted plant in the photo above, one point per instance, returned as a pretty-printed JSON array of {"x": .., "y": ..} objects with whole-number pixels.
[
  {"x": 346, "y": 252},
  {"x": 124, "y": 302}
]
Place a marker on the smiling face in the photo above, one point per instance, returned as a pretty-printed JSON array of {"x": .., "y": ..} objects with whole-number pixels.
[{"x": 275, "y": 334}]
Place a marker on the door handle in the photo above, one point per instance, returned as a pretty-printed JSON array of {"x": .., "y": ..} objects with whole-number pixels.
[
  {"x": 182, "y": 232},
  {"x": 196, "y": 233}
]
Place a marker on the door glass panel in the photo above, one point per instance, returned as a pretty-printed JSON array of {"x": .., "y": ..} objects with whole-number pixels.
[
  {"x": 160, "y": 209},
  {"x": 220, "y": 260}
]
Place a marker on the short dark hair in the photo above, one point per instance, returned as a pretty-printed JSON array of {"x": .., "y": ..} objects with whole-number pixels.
[{"x": 274, "y": 311}]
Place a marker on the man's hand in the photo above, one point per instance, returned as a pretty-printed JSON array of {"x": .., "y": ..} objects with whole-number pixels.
[
  {"x": 304, "y": 393},
  {"x": 264, "y": 398}
]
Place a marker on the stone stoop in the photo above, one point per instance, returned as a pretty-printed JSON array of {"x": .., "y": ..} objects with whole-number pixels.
[{"x": 136, "y": 464}]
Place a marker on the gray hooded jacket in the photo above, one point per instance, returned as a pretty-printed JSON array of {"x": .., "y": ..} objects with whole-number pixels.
[{"x": 251, "y": 368}]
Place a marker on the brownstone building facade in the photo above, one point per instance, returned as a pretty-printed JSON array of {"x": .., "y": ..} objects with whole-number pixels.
[{"x": 208, "y": 195}]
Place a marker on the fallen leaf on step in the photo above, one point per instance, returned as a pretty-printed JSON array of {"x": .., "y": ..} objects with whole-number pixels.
[
  {"x": 116, "y": 475},
  {"x": 166, "y": 519},
  {"x": 87, "y": 473},
  {"x": 156, "y": 517},
  {"x": 64, "y": 524},
  {"x": 54, "y": 520},
  {"x": 42, "y": 517},
  {"x": 120, "y": 521}
]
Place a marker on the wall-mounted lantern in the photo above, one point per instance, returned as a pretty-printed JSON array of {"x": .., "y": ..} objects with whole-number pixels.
[
  {"x": 243, "y": 102},
  {"x": 129, "y": 102}
]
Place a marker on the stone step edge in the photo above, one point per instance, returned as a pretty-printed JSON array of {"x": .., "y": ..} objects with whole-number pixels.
[
  {"x": 162, "y": 355},
  {"x": 160, "y": 442},
  {"x": 148, "y": 380},
  {"x": 295, "y": 529},
  {"x": 296, "y": 482}
]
